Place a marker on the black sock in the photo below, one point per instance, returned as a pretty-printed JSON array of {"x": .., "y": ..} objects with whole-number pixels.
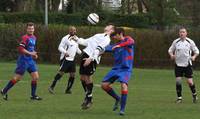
[
  {"x": 179, "y": 90},
  {"x": 84, "y": 85},
  {"x": 193, "y": 89},
  {"x": 56, "y": 78},
  {"x": 89, "y": 91},
  {"x": 70, "y": 83}
]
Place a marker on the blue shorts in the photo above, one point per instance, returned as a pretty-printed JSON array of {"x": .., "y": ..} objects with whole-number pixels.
[
  {"x": 24, "y": 65},
  {"x": 117, "y": 75}
]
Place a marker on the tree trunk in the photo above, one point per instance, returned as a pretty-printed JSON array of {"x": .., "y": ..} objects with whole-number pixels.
[
  {"x": 123, "y": 7},
  {"x": 139, "y": 4}
]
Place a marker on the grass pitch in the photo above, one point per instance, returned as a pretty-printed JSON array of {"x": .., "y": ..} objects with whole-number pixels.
[{"x": 151, "y": 96}]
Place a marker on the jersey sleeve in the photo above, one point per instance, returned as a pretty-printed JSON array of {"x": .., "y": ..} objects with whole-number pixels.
[
  {"x": 62, "y": 45},
  {"x": 194, "y": 48},
  {"x": 78, "y": 50},
  {"x": 128, "y": 41},
  {"x": 108, "y": 48},
  {"x": 172, "y": 48},
  {"x": 100, "y": 48},
  {"x": 23, "y": 44}
]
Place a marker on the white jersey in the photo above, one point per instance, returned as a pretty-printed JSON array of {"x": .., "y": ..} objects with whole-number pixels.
[
  {"x": 68, "y": 46},
  {"x": 182, "y": 49},
  {"x": 95, "y": 45}
]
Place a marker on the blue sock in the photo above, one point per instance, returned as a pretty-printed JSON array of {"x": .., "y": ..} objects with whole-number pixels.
[
  {"x": 33, "y": 87},
  {"x": 123, "y": 100},
  {"x": 10, "y": 84},
  {"x": 112, "y": 93}
]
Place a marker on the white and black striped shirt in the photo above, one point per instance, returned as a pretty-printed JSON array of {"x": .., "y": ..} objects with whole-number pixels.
[
  {"x": 182, "y": 49},
  {"x": 95, "y": 45},
  {"x": 68, "y": 46}
]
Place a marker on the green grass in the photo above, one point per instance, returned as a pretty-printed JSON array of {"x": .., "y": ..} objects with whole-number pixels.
[{"x": 151, "y": 96}]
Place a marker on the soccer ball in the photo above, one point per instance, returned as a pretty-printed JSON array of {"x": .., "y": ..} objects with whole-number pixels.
[{"x": 93, "y": 18}]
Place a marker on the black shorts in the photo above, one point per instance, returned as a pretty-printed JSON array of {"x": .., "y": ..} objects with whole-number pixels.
[
  {"x": 88, "y": 70},
  {"x": 183, "y": 71},
  {"x": 67, "y": 66}
]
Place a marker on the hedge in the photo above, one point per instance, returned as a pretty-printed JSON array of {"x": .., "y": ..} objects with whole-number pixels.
[{"x": 139, "y": 20}]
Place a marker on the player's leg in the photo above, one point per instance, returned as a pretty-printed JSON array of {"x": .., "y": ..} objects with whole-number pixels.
[
  {"x": 87, "y": 103},
  {"x": 19, "y": 71},
  {"x": 35, "y": 78},
  {"x": 124, "y": 93},
  {"x": 10, "y": 84},
  {"x": 179, "y": 89},
  {"x": 70, "y": 83},
  {"x": 107, "y": 87},
  {"x": 188, "y": 75},
  {"x": 71, "y": 70},
  {"x": 193, "y": 89},
  {"x": 124, "y": 77},
  {"x": 82, "y": 78},
  {"x": 58, "y": 76},
  {"x": 32, "y": 69},
  {"x": 86, "y": 73},
  {"x": 179, "y": 74}
]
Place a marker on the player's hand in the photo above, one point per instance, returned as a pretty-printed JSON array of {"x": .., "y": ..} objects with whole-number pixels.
[
  {"x": 66, "y": 55},
  {"x": 172, "y": 57},
  {"x": 87, "y": 61},
  {"x": 75, "y": 38},
  {"x": 116, "y": 46},
  {"x": 193, "y": 58},
  {"x": 34, "y": 54}
]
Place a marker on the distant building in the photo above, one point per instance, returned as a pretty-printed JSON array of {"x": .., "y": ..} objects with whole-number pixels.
[{"x": 111, "y": 4}]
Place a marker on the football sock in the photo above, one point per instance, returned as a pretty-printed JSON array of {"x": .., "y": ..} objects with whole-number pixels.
[
  {"x": 123, "y": 100},
  {"x": 33, "y": 87},
  {"x": 70, "y": 83},
  {"x": 84, "y": 85},
  {"x": 10, "y": 84},
  {"x": 56, "y": 78},
  {"x": 193, "y": 89},
  {"x": 112, "y": 93},
  {"x": 89, "y": 91},
  {"x": 178, "y": 88}
]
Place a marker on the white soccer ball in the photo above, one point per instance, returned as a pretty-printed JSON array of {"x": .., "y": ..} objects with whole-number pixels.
[{"x": 93, "y": 18}]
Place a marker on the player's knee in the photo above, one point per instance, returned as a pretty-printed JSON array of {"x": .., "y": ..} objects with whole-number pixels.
[
  {"x": 104, "y": 86},
  {"x": 190, "y": 82},
  {"x": 61, "y": 73},
  {"x": 72, "y": 75},
  {"x": 124, "y": 86},
  {"x": 178, "y": 81}
]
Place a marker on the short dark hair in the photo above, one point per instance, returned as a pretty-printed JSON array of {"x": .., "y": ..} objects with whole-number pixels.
[
  {"x": 118, "y": 30},
  {"x": 30, "y": 24}
]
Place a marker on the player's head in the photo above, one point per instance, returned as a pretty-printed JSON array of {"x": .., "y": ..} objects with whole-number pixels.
[
  {"x": 182, "y": 33},
  {"x": 109, "y": 29},
  {"x": 118, "y": 34},
  {"x": 30, "y": 28},
  {"x": 72, "y": 30}
]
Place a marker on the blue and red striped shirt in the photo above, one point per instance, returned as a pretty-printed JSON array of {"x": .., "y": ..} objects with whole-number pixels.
[
  {"x": 123, "y": 55},
  {"x": 28, "y": 42}
]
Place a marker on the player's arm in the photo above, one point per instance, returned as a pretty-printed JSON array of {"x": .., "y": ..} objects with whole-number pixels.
[
  {"x": 171, "y": 50},
  {"x": 99, "y": 50},
  {"x": 62, "y": 45},
  {"x": 22, "y": 49},
  {"x": 195, "y": 50},
  {"x": 83, "y": 41},
  {"x": 109, "y": 48},
  {"x": 129, "y": 41},
  {"x": 78, "y": 51}
]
